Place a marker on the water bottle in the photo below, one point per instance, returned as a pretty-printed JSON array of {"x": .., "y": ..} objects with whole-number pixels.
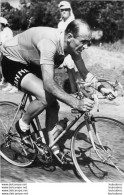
[{"x": 60, "y": 126}]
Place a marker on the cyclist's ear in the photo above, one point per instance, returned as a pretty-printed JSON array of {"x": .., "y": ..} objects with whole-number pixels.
[{"x": 69, "y": 37}]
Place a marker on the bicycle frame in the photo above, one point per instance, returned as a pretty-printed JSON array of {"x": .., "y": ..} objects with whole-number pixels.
[
  {"x": 39, "y": 128},
  {"x": 87, "y": 119}
]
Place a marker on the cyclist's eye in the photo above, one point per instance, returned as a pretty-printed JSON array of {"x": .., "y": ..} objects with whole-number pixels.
[{"x": 86, "y": 42}]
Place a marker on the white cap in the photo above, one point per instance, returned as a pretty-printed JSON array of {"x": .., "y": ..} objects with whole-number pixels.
[
  {"x": 64, "y": 5},
  {"x": 3, "y": 20}
]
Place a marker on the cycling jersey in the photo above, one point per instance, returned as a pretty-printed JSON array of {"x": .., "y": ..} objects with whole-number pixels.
[{"x": 38, "y": 45}]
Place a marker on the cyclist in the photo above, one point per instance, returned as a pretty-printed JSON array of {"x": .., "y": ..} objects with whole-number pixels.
[{"x": 33, "y": 55}]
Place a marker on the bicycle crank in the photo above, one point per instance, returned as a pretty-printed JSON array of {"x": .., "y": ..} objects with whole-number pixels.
[{"x": 44, "y": 152}]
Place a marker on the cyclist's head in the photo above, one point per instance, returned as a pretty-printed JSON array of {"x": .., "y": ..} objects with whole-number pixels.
[{"x": 78, "y": 35}]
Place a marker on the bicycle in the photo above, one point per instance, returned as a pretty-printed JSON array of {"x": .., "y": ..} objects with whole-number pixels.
[{"x": 94, "y": 158}]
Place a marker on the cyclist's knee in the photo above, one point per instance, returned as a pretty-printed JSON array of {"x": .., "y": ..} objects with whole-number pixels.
[{"x": 42, "y": 102}]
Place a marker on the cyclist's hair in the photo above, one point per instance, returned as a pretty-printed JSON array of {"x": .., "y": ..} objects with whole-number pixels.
[{"x": 74, "y": 27}]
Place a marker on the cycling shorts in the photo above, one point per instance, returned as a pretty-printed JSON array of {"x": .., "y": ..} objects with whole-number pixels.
[{"x": 14, "y": 72}]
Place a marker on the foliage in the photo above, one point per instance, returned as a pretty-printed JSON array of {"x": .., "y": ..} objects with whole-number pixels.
[
  {"x": 116, "y": 46},
  {"x": 105, "y": 15},
  {"x": 44, "y": 13}
]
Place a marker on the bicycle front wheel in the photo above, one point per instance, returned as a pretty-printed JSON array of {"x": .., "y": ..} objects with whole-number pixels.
[
  {"x": 107, "y": 165},
  {"x": 11, "y": 147}
]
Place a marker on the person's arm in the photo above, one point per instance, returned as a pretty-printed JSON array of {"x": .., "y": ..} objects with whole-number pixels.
[
  {"x": 52, "y": 87},
  {"x": 80, "y": 66}
]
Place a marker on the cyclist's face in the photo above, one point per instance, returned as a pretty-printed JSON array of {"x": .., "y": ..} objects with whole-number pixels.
[{"x": 76, "y": 45}]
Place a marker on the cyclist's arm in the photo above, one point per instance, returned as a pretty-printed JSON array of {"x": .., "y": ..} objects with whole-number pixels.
[
  {"x": 81, "y": 66},
  {"x": 51, "y": 86}
]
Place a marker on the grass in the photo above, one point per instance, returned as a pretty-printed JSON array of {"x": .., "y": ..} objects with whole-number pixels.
[{"x": 115, "y": 47}]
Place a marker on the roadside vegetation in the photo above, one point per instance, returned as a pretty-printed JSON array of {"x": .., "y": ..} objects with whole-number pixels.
[{"x": 116, "y": 46}]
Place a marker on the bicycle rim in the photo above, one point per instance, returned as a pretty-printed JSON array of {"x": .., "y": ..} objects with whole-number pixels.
[
  {"x": 89, "y": 165},
  {"x": 11, "y": 147}
]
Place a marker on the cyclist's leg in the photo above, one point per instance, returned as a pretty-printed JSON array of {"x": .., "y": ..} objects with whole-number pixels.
[
  {"x": 51, "y": 119},
  {"x": 33, "y": 85}
]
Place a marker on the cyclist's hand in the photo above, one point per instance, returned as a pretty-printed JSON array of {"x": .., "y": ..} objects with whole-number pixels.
[
  {"x": 109, "y": 93},
  {"x": 85, "y": 105}
]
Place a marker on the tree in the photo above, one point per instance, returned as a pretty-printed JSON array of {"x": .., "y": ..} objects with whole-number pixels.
[{"x": 107, "y": 16}]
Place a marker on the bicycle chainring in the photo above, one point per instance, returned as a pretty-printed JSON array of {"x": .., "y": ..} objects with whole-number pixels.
[{"x": 44, "y": 153}]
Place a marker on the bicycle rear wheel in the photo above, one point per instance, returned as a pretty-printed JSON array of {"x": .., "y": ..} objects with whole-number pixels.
[
  {"x": 11, "y": 147},
  {"x": 88, "y": 164}
]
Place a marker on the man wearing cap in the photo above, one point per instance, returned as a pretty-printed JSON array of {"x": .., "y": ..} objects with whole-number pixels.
[
  {"x": 33, "y": 56},
  {"x": 66, "y": 15}
]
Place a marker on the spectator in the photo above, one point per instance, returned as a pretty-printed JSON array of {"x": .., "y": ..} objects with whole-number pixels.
[
  {"x": 66, "y": 17},
  {"x": 5, "y": 35}
]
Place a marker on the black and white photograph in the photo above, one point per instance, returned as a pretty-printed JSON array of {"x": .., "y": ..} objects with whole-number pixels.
[{"x": 62, "y": 95}]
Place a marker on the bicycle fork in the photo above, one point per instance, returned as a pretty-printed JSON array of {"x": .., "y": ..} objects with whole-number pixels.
[{"x": 88, "y": 121}]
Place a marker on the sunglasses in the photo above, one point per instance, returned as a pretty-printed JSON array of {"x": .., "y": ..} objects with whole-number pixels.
[
  {"x": 86, "y": 42},
  {"x": 67, "y": 9}
]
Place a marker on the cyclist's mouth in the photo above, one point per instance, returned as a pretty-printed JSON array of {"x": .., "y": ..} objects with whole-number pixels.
[{"x": 79, "y": 50}]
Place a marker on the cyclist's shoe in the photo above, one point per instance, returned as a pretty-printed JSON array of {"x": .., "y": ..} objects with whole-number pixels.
[{"x": 25, "y": 136}]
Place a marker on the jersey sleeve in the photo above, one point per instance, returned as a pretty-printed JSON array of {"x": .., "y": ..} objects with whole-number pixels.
[{"x": 47, "y": 51}]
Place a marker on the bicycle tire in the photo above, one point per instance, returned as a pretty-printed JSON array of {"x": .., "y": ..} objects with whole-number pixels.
[
  {"x": 87, "y": 163},
  {"x": 12, "y": 150}
]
